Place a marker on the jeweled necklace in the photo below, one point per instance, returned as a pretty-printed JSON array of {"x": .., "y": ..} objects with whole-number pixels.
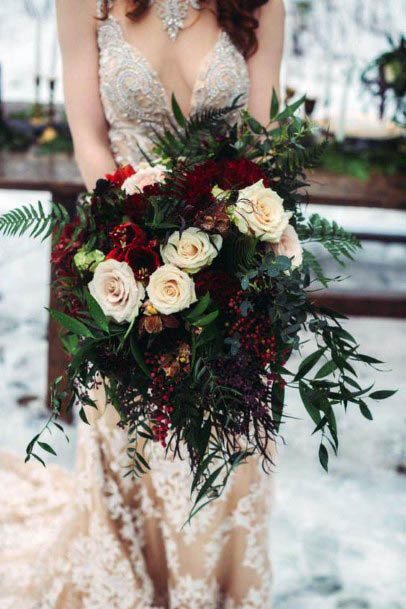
[{"x": 173, "y": 14}]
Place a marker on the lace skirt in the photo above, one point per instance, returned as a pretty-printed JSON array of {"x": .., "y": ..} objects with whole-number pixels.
[{"x": 96, "y": 540}]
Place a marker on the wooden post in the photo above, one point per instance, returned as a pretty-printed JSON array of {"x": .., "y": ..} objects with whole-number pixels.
[{"x": 58, "y": 359}]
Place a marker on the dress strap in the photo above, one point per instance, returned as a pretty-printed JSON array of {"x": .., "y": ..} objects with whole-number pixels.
[{"x": 101, "y": 6}]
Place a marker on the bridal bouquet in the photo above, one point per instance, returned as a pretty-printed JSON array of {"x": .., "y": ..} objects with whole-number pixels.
[{"x": 184, "y": 286}]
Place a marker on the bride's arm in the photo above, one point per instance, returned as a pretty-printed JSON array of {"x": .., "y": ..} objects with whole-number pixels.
[
  {"x": 77, "y": 34},
  {"x": 264, "y": 67}
]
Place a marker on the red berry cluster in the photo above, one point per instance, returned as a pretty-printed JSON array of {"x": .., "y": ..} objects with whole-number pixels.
[
  {"x": 254, "y": 330},
  {"x": 161, "y": 391}
]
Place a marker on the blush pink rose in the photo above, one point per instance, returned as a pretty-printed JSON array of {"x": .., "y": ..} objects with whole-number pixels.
[
  {"x": 289, "y": 246},
  {"x": 145, "y": 175}
]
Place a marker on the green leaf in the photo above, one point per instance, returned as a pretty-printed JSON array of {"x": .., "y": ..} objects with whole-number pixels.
[
  {"x": 367, "y": 359},
  {"x": 82, "y": 415},
  {"x": 381, "y": 395},
  {"x": 278, "y": 400},
  {"x": 200, "y": 308},
  {"x": 31, "y": 444},
  {"x": 206, "y": 320},
  {"x": 290, "y": 110},
  {"x": 307, "y": 396},
  {"x": 254, "y": 125},
  {"x": 365, "y": 411},
  {"x": 204, "y": 437},
  {"x": 137, "y": 354},
  {"x": 177, "y": 112},
  {"x": 143, "y": 462},
  {"x": 46, "y": 447},
  {"x": 327, "y": 369},
  {"x": 323, "y": 456},
  {"x": 274, "y": 105},
  {"x": 96, "y": 312},
  {"x": 71, "y": 324},
  {"x": 208, "y": 484},
  {"x": 70, "y": 343},
  {"x": 35, "y": 457},
  {"x": 308, "y": 363}
]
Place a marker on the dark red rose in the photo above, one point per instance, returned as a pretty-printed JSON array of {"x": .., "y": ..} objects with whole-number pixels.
[
  {"x": 120, "y": 175},
  {"x": 221, "y": 285},
  {"x": 128, "y": 233},
  {"x": 240, "y": 173},
  {"x": 197, "y": 186},
  {"x": 135, "y": 207},
  {"x": 142, "y": 259},
  {"x": 64, "y": 251},
  {"x": 117, "y": 253}
]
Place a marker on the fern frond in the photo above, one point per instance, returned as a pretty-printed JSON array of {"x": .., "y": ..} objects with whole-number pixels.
[
  {"x": 311, "y": 264},
  {"x": 239, "y": 253},
  {"x": 338, "y": 242},
  {"x": 186, "y": 139},
  {"x": 34, "y": 219}
]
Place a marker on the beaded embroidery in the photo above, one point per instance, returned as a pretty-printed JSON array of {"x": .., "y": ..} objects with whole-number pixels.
[{"x": 134, "y": 100}]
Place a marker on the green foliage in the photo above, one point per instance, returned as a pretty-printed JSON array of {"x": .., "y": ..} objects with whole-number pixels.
[
  {"x": 239, "y": 252},
  {"x": 58, "y": 397},
  {"x": 312, "y": 266},
  {"x": 29, "y": 218},
  {"x": 327, "y": 378},
  {"x": 337, "y": 241},
  {"x": 195, "y": 136}
]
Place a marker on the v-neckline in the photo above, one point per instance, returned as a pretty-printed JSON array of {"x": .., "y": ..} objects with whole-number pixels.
[{"x": 136, "y": 52}]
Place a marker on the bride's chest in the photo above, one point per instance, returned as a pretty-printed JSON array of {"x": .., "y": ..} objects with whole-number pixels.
[{"x": 132, "y": 91}]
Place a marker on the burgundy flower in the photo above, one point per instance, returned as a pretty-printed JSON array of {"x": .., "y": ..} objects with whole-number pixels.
[
  {"x": 64, "y": 251},
  {"x": 117, "y": 253},
  {"x": 240, "y": 173},
  {"x": 197, "y": 185},
  {"x": 142, "y": 259},
  {"x": 221, "y": 285},
  {"x": 120, "y": 175},
  {"x": 127, "y": 234}
]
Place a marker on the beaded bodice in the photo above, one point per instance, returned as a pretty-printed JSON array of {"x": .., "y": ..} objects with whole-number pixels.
[{"x": 135, "y": 101}]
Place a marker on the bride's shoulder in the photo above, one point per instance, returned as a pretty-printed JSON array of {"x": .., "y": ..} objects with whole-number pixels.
[
  {"x": 271, "y": 11},
  {"x": 271, "y": 19},
  {"x": 81, "y": 9}
]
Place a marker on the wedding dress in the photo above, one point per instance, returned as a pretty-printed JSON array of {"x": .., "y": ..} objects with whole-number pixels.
[{"x": 96, "y": 540}]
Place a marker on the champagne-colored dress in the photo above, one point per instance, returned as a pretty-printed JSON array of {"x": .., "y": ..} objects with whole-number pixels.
[{"x": 96, "y": 540}]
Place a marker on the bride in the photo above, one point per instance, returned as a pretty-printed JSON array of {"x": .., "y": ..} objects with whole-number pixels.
[{"x": 96, "y": 540}]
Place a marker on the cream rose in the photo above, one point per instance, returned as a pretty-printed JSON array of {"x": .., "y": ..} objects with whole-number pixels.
[
  {"x": 289, "y": 246},
  {"x": 191, "y": 250},
  {"x": 116, "y": 290},
  {"x": 145, "y": 175},
  {"x": 259, "y": 211},
  {"x": 171, "y": 290}
]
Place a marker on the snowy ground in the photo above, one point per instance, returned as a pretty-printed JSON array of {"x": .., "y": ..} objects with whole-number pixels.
[{"x": 338, "y": 540}]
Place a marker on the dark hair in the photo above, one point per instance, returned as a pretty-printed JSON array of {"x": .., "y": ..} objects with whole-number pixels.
[{"x": 236, "y": 17}]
